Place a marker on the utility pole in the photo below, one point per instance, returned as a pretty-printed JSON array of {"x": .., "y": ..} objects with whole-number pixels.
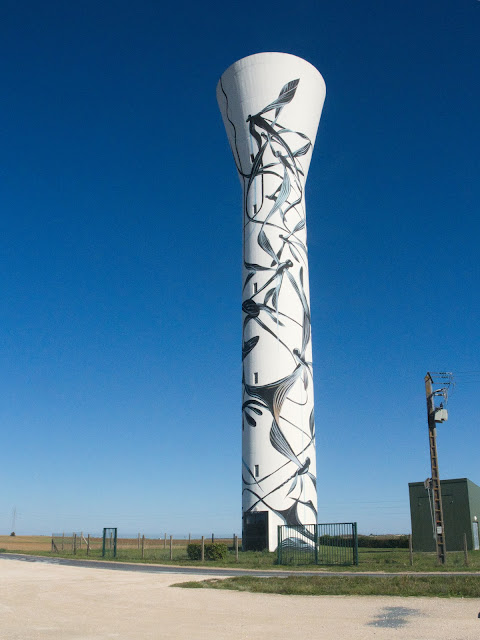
[
  {"x": 14, "y": 517},
  {"x": 436, "y": 414}
]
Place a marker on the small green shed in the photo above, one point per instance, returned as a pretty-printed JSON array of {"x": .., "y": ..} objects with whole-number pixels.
[{"x": 461, "y": 513}]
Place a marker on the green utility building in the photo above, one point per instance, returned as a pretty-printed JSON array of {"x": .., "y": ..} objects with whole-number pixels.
[{"x": 461, "y": 513}]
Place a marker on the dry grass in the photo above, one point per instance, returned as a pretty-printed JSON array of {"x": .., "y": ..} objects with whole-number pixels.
[{"x": 26, "y": 543}]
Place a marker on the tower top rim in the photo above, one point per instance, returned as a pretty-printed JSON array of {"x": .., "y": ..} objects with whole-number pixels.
[{"x": 264, "y": 58}]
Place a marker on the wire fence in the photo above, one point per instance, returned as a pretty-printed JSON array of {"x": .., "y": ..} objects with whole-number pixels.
[
  {"x": 326, "y": 544},
  {"x": 140, "y": 547}
]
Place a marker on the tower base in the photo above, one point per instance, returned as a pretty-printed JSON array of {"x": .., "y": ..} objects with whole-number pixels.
[{"x": 255, "y": 531}]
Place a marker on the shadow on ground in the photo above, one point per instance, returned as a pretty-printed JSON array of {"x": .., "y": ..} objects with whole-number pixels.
[{"x": 393, "y": 617}]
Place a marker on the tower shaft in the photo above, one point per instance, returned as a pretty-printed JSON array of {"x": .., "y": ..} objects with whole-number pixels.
[{"x": 271, "y": 105}]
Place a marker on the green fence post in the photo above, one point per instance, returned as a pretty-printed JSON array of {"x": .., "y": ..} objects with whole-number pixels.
[
  {"x": 355, "y": 544},
  {"x": 279, "y": 544},
  {"x": 315, "y": 529}
]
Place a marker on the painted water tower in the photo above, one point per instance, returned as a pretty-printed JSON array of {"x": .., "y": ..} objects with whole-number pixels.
[{"x": 271, "y": 105}]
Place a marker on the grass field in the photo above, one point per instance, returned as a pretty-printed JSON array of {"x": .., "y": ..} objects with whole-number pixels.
[
  {"x": 157, "y": 551},
  {"x": 445, "y": 587}
]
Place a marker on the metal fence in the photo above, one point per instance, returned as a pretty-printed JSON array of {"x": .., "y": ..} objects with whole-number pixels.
[
  {"x": 109, "y": 542},
  {"x": 332, "y": 543},
  {"x": 138, "y": 548}
]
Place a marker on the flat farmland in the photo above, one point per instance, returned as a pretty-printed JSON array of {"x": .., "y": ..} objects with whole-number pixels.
[
  {"x": 26, "y": 543},
  {"x": 44, "y": 543}
]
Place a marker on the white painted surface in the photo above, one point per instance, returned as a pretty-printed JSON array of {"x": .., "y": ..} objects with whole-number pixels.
[{"x": 271, "y": 105}]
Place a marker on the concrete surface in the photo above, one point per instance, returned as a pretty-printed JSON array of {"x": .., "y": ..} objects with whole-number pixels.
[{"x": 40, "y": 601}]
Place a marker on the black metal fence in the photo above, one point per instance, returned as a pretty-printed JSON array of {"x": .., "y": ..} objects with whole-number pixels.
[{"x": 328, "y": 543}]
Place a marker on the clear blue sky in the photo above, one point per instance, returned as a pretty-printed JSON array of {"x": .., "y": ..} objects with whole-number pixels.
[{"x": 120, "y": 236}]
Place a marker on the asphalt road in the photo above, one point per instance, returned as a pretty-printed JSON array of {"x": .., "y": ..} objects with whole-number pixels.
[{"x": 110, "y": 565}]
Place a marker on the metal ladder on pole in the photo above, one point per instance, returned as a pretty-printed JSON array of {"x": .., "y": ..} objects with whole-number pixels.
[{"x": 439, "y": 531}]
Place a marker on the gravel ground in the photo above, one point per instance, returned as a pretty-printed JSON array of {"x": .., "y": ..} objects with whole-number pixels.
[{"x": 41, "y": 601}]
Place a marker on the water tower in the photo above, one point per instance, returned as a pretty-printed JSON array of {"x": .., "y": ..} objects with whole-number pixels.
[{"x": 271, "y": 105}]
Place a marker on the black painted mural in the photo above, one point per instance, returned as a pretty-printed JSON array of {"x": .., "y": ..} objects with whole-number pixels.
[{"x": 277, "y": 404}]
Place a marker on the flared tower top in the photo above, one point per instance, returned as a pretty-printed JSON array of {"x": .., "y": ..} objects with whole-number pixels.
[
  {"x": 269, "y": 58},
  {"x": 270, "y": 85}
]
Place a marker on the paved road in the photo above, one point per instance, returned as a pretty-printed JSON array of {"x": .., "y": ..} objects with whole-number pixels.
[
  {"x": 45, "y": 600},
  {"x": 211, "y": 571}
]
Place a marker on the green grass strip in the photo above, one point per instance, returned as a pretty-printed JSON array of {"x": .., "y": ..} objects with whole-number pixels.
[
  {"x": 383, "y": 560},
  {"x": 438, "y": 587}
]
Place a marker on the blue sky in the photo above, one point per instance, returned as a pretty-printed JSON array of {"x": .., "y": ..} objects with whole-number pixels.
[{"x": 120, "y": 238}]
